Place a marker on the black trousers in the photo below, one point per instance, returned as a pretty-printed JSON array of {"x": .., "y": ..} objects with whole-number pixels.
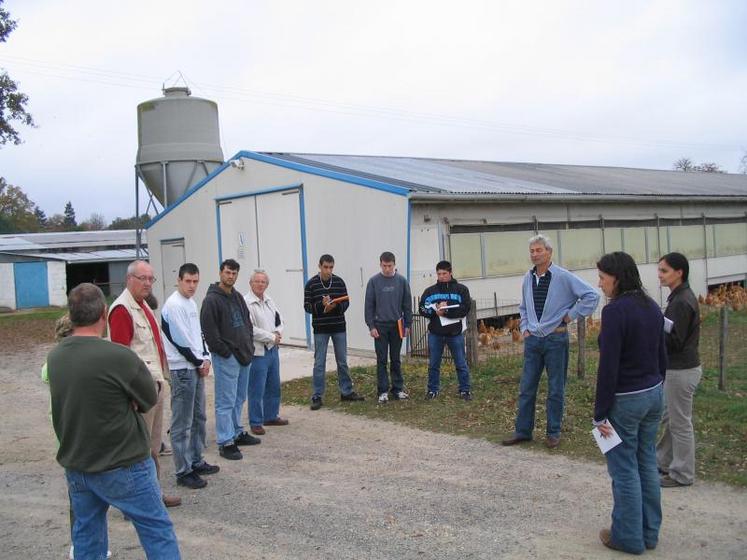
[{"x": 388, "y": 346}]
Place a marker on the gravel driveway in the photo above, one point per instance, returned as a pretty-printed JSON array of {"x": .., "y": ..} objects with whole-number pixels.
[{"x": 332, "y": 485}]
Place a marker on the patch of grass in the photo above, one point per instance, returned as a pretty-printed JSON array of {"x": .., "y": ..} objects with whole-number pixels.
[
  {"x": 720, "y": 416},
  {"x": 22, "y": 330}
]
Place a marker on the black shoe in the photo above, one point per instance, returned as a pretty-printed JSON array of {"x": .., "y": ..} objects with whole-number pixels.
[
  {"x": 352, "y": 396},
  {"x": 430, "y": 395},
  {"x": 230, "y": 452},
  {"x": 316, "y": 402},
  {"x": 191, "y": 480},
  {"x": 205, "y": 468},
  {"x": 246, "y": 439},
  {"x": 465, "y": 395}
]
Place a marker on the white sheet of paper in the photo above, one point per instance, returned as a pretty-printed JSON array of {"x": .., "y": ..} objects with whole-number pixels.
[
  {"x": 435, "y": 306},
  {"x": 605, "y": 444},
  {"x": 668, "y": 324},
  {"x": 446, "y": 321}
]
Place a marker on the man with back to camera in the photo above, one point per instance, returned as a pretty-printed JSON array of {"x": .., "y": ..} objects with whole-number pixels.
[
  {"x": 99, "y": 391},
  {"x": 551, "y": 297},
  {"x": 325, "y": 298},
  {"x": 189, "y": 363},
  {"x": 228, "y": 332},
  {"x": 447, "y": 303},
  {"x": 388, "y": 303},
  {"x": 132, "y": 324}
]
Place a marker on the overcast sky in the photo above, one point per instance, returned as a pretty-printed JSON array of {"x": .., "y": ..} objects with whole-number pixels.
[{"x": 633, "y": 84}]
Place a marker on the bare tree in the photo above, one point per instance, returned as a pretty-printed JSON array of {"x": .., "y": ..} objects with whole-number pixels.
[
  {"x": 709, "y": 167},
  {"x": 743, "y": 163},
  {"x": 684, "y": 164}
]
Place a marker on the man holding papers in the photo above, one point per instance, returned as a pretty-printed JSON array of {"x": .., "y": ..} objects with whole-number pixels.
[{"x": 446, "y": 303}]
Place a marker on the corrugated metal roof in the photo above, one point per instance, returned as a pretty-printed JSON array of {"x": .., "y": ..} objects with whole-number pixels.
[
  {"x": 111, "y": 255},
  {"x": 68, "y": 240},
  {"x": 464, "y": 177}
]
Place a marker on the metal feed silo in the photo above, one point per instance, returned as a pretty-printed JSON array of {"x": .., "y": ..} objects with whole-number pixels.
[{"x": 178, "y": 142}]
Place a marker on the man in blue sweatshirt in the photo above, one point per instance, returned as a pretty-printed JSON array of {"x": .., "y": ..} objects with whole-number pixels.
[{"x": 551, "y": 298}]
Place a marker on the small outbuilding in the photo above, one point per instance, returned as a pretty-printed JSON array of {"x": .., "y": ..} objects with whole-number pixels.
[{"x": 280, "y": 212}]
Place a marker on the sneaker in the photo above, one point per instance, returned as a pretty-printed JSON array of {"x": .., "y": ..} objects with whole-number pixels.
[
  {"x": 246, "y": 439},
  {"x": 383, "y": 398},
  {"x": 191, "y": 480},
  {"x": 316, "y": 402},
  {"x": 400, "y": 396},
  {"x": 71, "y": 555},
  {"x": 352, "y": 396},
  {"x": 668, "y": 482},
  {"x": 430, "y": 395},
  {"x": 257, "y": 430},
  {"x": 205, "y": 468},
  {"x": 465, "y": 395},
  {"x": 230, "y": 452}
]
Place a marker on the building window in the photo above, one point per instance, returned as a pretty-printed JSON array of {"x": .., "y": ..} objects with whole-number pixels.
[
  {"x": 731, "y": 239},
  {"x": 688, "y": 240},
  {"x": 634, "y": 243},
  {"x": 506, "y": 253},
  {"x": 466, "y": 255},
  {"x": 580, "y": 248}
]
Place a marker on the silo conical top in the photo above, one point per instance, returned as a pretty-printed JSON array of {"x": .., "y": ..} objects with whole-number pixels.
[{"x": 178, "y": 142}]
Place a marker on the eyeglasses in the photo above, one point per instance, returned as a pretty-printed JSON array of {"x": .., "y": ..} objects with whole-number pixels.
[{"x": 146, "y": 279}]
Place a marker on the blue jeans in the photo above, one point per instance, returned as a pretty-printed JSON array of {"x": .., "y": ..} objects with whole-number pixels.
[
  {"x": 187, "y": 419},
  {"x": 387, "y": 346},
  {"x": 340, "y": 344},
  {"x": 133, "y": 490},
  {"x": 636, "y": 493},
  {"x": 549, "y": 352},
  {"x": 455, "y": 343},
  {"x": 231, "y": 386},
  {"x": 264, "y": 387}
]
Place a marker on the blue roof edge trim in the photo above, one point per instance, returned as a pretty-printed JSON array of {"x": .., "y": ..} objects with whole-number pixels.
[
  {"x": 189, "y": 192},
  {"x": 311, "y": 169}
]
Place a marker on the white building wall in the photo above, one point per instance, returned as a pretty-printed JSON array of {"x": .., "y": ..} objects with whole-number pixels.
[
  {"x": 7, "y": 286},
  {"x": 57, "y": 283},
  {"x": 353, "y": 223}
]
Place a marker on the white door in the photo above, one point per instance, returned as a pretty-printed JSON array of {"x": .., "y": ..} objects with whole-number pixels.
[
  {"x": 264, "y": 231},
  {"x": 172, "y": 257},
  {"x": 279, "y": 233}
]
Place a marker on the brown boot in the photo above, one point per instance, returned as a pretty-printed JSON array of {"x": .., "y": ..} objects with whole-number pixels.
[{"x": 171, "y": 501}]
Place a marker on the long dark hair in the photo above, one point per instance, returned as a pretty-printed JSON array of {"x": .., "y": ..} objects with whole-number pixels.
[
  {"x": 623, "y": 268},
  {"x": 677, "y": 261}
]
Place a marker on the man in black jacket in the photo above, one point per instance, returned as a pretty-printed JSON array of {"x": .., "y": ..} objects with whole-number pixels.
[
  {"x": 225, "y": 322},
  {"x": 447, "y": 303}
]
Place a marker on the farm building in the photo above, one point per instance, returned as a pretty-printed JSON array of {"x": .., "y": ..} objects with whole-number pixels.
[
  {"x": 39, "y": 269},
  {"x": 280, "y": 212}
]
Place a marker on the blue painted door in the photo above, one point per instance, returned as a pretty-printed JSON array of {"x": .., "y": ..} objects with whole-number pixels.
[{"x": 31, "y": 284}]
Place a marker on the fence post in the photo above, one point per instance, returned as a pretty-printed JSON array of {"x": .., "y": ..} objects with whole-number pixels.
[
  {"x": 472, "y": 335},
  {"x": 581, "y": 365},
  {"x": 723, "y": 329}
]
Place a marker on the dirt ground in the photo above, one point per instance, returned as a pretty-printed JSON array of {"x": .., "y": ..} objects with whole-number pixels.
[{"x": 338, "y": 486}]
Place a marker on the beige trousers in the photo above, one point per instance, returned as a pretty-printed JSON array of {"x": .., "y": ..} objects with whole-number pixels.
[
  {"x": 154, "y": 421},
  {"x": 675, "y": 452}
]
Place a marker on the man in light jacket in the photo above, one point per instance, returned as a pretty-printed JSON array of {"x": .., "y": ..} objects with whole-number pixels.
[
  {"x": 551, "y": 298},
  {"x": 264, "y": 371}
]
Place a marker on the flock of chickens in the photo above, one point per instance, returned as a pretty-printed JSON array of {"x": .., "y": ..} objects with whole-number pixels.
[{"x": 490, "y": 337}]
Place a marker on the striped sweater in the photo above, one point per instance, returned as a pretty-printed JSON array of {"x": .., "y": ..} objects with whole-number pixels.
[{"x": 314, "y": 292}]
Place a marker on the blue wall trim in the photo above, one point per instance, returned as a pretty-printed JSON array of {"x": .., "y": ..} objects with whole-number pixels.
[
  {"x": 255, "y": 193},
  {"x": 309, "y": 168},
  {"x": 304, "y": 258}
]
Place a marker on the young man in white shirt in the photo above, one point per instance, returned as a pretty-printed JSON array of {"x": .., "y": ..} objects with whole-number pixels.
[{"x": 189, "y": 363}]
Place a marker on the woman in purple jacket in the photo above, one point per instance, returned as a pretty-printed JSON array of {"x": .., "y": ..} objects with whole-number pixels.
[{"x": 632, "y": 364}]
